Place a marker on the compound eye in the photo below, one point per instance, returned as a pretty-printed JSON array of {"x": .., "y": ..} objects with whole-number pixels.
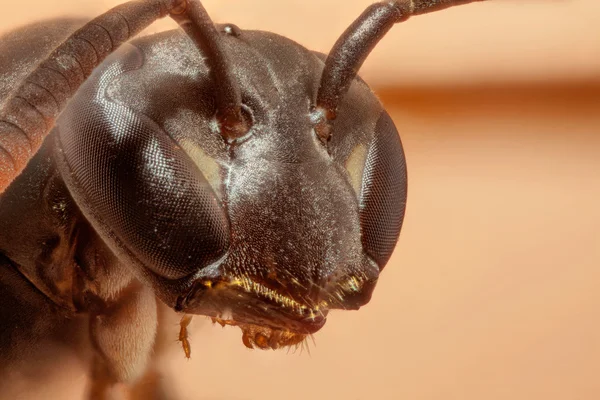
[
  {"x": 383, "y": 192},
  {"x": 136, "y": 186},
  {"x": 143, "y": 192}
]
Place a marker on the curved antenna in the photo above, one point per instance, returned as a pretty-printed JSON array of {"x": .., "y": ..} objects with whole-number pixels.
[
  {"x": 198, "y": 25},
  {"x": 28, "y": 115},
  {"x": 355, "y": 44}
]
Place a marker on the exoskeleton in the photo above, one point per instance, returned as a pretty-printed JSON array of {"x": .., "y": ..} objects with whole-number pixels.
[{"x": 227, "y": 173}]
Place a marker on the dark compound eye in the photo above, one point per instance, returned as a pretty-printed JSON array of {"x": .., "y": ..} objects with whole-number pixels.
[
  {"x": 136, "y": 184},
  {"x": 383, "y": 193}
]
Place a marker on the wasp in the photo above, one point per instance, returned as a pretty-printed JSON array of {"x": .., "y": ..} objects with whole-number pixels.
[{"x": 220, "y": 172}]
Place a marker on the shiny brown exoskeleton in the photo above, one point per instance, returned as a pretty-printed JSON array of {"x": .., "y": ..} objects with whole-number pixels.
[{"x": 228, "y": 173}]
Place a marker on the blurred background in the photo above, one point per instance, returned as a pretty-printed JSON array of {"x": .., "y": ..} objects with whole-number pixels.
[{"x": 494, "y": 289}]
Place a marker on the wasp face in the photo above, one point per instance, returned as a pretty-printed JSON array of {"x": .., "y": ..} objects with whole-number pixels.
[
  {"x": 296, "y": 208},
  {"x": 267, "y": 231}
]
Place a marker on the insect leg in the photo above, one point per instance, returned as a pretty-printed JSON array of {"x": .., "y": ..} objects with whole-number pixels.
[
  {"x": 155, "y": 384},
  {"x": 123, "y": 337},
  {"x": 29, "y": 114}
]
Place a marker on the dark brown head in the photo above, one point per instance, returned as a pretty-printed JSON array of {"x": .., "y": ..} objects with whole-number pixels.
[
  {"x": 253, "y": 181},
  {"x": 311, "y": 222}
]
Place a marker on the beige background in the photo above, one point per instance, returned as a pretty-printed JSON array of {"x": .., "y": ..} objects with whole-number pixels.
[
  {"x": 520, "y": 39},
  {"x": 494, "y": 289}
]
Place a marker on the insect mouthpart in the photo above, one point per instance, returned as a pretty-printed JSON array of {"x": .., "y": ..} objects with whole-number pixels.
[
  {"x": 264, "y": 338},
  {"x": 267, "y": 318}
]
